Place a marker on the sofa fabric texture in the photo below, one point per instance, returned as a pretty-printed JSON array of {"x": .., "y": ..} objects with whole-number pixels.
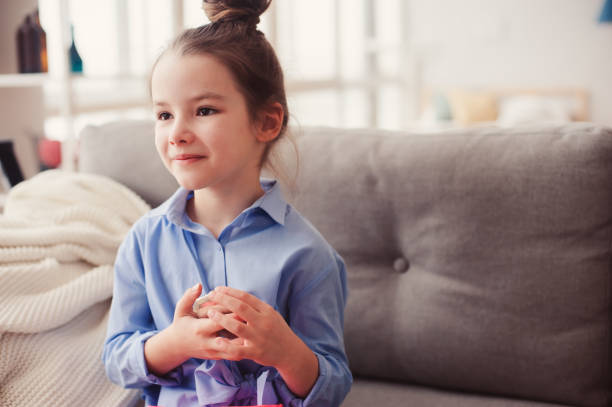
[
  {"x": 383, "y": 393},
  {"x": 125, "y": 151},
  {"x": 478, "y": 259}
]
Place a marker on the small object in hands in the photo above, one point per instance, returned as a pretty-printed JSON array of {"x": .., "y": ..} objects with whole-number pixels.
[
  {"x": 204, "y": 301},
  {"x": 201, "y": 301}
]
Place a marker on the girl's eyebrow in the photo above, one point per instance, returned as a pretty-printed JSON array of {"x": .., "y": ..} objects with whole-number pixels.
[
  {"x": 203, "y": 96},
  {"x": 207, "y": 95}
]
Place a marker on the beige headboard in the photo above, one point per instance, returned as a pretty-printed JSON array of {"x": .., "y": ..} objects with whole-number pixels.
[{"x": 490, "y": 99}]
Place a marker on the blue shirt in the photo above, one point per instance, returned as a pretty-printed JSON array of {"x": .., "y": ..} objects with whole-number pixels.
[{"x": 270, "y": 251}]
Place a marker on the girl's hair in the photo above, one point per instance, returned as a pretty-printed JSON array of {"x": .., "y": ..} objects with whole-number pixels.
[{"x": 233, "y": 38}]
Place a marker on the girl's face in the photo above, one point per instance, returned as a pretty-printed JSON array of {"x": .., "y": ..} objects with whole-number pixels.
[{"x": 203, "y": 132}]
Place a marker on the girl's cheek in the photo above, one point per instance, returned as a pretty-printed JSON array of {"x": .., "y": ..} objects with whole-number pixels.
[
  {"x": 161, "y": 139},
  {"x": 161, "y": 145}
]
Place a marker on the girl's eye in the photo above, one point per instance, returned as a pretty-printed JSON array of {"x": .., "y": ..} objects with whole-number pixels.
[
  {"x": 163, "y": 116},
  {"x": 205, "y": 111}
]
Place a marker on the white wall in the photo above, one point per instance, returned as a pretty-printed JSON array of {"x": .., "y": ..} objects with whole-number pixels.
[{"x": 515, "y": 43}]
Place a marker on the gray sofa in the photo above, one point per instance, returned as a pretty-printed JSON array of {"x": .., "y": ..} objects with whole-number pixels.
[{"x": 478, "y": 260}]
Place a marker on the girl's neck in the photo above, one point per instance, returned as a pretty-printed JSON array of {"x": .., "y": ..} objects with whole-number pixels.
[{"x": 215, "y": 208}]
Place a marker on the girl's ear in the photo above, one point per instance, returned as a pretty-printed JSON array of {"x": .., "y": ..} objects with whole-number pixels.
[{"x": 270, "y": 122}]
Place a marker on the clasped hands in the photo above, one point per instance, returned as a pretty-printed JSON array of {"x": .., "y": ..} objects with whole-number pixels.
[
  {"x": 232, "y": 325},
  {"x": 258, "y": 333}
]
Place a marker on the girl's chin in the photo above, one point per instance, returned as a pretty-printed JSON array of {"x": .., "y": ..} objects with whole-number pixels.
[{"x": 191, "y": 184}]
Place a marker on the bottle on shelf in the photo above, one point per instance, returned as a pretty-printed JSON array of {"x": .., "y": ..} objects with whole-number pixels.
[
  {"x": 32, "y": 45},
  {"x": 28, "y": 46},
  {"x": 76, "y": 63},
  {"x": 42, "y": 35}
]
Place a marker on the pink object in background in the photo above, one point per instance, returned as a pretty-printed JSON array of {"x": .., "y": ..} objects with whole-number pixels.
[{"x": 50, "y": 153}]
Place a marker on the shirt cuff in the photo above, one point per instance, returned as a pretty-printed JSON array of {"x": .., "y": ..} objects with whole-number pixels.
[
  {"x": 172, "y": 378},
  {"x": 321, "y": 385}
]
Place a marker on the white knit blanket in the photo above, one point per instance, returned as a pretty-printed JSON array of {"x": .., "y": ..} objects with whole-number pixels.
[{"x": 58, "y": 238}]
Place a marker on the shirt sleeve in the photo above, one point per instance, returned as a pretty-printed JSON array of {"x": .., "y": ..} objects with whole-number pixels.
[
  {"x": 316, "y": 315},
  {"x": 130, "y": 323}
]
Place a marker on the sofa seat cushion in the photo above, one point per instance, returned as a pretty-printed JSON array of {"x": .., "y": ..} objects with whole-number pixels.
[
  {"x": 370, "y": 393},
  {"x": 477, "y": 260}
]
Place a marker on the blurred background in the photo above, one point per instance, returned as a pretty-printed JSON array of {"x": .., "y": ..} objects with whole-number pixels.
[{"x": 394, "y": 64}]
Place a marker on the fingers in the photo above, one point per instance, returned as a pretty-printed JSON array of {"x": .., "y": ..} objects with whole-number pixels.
[
  {"x": 243, "y": 304},
  {"x": 230, "y": 349},
  {"x": 214, "y": 339},
  {"x": 206, "y": 327},
  {"x": 248, "y": 298},
  {"x": 184, "y": 305},
  {"x": 231, "y": 323},
  {"x": 203, "y": 311},
  {"x": 201, "y": 302}
]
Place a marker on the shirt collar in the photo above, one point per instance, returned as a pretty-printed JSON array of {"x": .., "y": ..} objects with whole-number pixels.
[{"x": 271, "y": 202}]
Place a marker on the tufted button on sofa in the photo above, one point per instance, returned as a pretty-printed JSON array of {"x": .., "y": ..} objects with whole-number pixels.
[{"x": 401, "y": 265}]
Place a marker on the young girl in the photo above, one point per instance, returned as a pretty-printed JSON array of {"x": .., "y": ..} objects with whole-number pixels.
[{"x": 277, "y": 290}]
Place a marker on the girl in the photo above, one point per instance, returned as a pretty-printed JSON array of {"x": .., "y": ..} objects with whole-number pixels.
[{"x": 277, "y": 290}]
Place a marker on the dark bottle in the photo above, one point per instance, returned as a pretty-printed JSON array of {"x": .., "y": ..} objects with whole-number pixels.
[
  {"x": 76, "y": 63},
  {"x": 42, "y": 36},
  {"x": 22, "y": 46},
  {"x": 28, "y": 47}
]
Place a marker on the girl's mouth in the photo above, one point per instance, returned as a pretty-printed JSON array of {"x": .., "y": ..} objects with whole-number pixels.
[{"x": 187, "y": 158}]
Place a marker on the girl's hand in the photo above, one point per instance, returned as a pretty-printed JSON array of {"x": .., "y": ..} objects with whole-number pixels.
[
  {"x": 264, "y": 337},
  {"x": 202, "y": 311},
  {"x": 187, "y": 337}
]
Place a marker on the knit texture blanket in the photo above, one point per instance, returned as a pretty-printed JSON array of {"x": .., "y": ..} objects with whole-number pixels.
[{"x": 58, "y": 239}]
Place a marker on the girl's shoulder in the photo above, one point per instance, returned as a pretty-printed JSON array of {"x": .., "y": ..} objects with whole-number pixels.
[
  {"x": 313, "y": 261},
  {"x": 305, "y": 235}
]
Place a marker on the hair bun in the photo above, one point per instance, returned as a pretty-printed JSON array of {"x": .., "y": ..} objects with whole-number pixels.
[{"x": 247, "y": 11}]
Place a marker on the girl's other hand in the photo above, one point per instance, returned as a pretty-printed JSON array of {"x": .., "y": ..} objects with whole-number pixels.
[
  {"x": 262, "y": 328},
  {"x": 266, "y": 339}
]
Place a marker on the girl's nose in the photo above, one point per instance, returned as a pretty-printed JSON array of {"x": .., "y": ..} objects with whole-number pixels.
[{"x": 181, "y": 133}]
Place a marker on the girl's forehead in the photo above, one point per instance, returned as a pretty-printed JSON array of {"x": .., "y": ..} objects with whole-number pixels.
[
  {"x": 191, "y": 73},
  {"x": 198, "y": 65}
]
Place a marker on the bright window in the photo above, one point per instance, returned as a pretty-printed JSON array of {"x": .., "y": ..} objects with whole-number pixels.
[{"x": 342, "y": 58}]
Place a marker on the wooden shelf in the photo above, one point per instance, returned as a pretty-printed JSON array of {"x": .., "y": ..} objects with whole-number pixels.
[
  {"x": 23, "y": 80},
  {"x": 91, "y": 94}
]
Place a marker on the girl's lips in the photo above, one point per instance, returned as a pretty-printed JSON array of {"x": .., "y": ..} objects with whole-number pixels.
[{"x": 187, "y": 158}]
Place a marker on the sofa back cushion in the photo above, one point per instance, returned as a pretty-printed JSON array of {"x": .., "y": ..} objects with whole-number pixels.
[
  {"x": 125, "y": 151},
  {"x": 478, "y": 260}
]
